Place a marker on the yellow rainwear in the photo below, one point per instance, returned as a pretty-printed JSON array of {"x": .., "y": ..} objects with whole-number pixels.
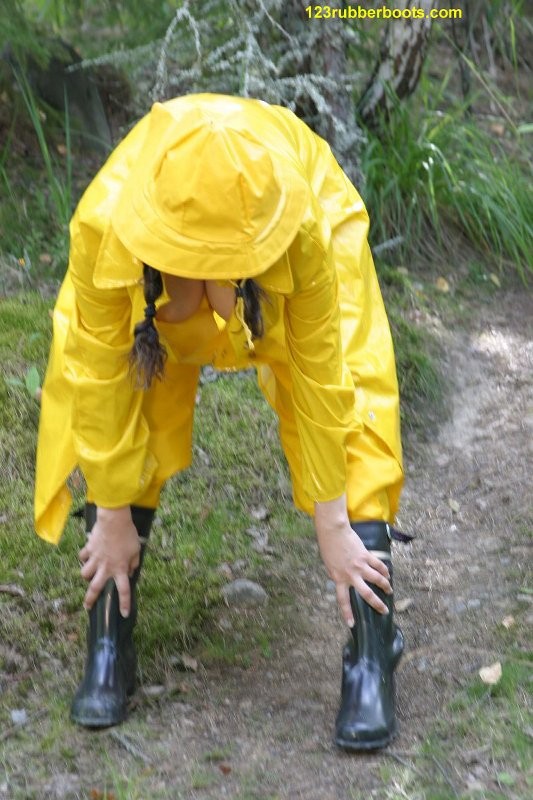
[{"x": 325, "y": 362}]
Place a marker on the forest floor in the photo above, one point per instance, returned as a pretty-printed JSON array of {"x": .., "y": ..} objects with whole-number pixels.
[{"x": 262, "y": 730}]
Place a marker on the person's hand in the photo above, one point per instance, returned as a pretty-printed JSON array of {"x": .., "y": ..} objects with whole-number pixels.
[
  {"x": 347, "y": 560},
  {"x": 112, "y": 551}
]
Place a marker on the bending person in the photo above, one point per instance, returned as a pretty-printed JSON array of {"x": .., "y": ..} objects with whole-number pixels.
[{"x": 222, "y": 231}]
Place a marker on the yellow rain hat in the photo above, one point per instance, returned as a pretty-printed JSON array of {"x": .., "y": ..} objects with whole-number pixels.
[{"x": 207, "y": 198}]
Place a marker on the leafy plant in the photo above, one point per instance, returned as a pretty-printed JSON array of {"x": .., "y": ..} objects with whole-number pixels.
[
  {"x": 433, "y": 175},
  {"x": 60, "y": 188}
]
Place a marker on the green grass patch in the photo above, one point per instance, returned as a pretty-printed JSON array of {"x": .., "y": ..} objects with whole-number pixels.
[
  {"x": 483, "y": 727},
  {"x": 438, "y": 180}
]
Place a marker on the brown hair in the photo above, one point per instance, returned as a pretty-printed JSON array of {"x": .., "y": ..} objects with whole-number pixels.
[{"x": 147, "y": 356}]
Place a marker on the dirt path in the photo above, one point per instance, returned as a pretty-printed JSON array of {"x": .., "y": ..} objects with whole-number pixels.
[
  {"x": 265, "y": 732},
  {"x": 467, "y": 498}
]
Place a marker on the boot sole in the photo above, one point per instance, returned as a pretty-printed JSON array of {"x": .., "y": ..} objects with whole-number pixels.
[
  {"x": 97, "y": 722},
  {"x": 354, "y": 746},
  {"x": 94, "y": 724}
]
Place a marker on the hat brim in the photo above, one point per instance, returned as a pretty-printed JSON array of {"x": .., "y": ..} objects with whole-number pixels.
[{"x": 137, "y": 225}]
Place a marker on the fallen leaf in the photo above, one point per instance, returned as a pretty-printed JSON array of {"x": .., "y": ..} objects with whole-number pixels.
[
  {"x": 402, "y": 271},
  {"x": 498, "y": 128},
  {"x": 32, "y": 380},
  {"x": 442, "y": 285},
  {"x": 3, "y": 518},
  {"x": 61, "y": 149},
  {"x": 454, "y": 505},
  {"x": 45, "y": 258},
  {"x": 508, "y": 621},
  {"x": 204, "y": 513},
  {"x": 403, "y": 605},
  {"x": 491, "y": 674},
  {"x": 495, "y": 280},
  {"x": 224, "y": 768}
]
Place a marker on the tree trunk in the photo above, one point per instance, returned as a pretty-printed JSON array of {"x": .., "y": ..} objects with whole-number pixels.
[
  {"x": 402, "y": 54},
  {"x": 327, "y": 58}
]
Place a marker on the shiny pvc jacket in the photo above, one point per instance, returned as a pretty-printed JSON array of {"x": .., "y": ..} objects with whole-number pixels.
[{"x": 223, "y": 188}]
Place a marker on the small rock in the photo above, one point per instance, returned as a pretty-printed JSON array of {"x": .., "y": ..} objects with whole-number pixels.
[
  {"x": 403, "y": 605},
  {"x": 208, "y": 375},
  {"x": 481, "y": 504},
  {"x": 225, "y": 571},
  {"x": 330, "y": 587},
  {"x": 421, "y": 665},
  {"x": 244, "y": 592},
  {"x": 239, "y": 565},
  {"x": 492, "y": 674},
  {"x": 454, "y": 505},
  {"x": 475, "y": 785},
  {"x": 473, "y": 603},
  {"x": 156, "y": 690},
  {"x": 259, "y": 513},
  {"x": 13, "y": 589},
  {"x": 63, "y": 785},
  {"x": 19, "y": 716},
  {"x": 260, "y": 537},
  {"x": 184, "y": 661},
  {"x": 524, "y": 598}
]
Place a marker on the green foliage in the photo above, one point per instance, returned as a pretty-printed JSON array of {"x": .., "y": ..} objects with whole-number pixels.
[
  {"x": 34, "y": 223},
  {"x": 434, "y": 175},
  {"x": 60, "y": 188}
]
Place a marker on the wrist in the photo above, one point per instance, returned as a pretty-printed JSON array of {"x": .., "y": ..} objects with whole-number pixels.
[
  {"x": 332, "y": 515},
  {"x": 104, "y": 514}
]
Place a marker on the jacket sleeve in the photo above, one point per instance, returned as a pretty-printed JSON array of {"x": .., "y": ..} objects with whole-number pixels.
[
  {"x": 109, "y": 431},
  {"x": 322, "y": 386},
  {"x": 331, "y": 243}
]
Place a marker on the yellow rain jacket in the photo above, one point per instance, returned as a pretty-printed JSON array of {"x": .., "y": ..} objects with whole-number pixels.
[{"x": 167, "y": 197}]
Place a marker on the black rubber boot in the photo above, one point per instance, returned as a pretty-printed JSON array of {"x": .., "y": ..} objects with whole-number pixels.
[
  {"x": 111, "y": 665},
  {"x": 366, "y": 719}
]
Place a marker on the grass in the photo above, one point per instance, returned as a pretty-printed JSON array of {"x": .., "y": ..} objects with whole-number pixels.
[
  {"x": 201, "y": 523},
  {"x": 488, "y": 727},
  {"x": 433, "y": 177}
]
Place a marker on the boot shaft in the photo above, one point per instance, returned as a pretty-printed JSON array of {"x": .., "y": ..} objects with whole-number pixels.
[{"x": 374, "y": 634}]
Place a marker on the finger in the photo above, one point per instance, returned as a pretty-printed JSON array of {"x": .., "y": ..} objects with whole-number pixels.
[
  {"x": 89, "y": 569},
  {"x": 124, "y": 594},
  {"x": 95, "y": 587},
  {"x": 343, "y": 599},
  {"x": 370, "y": 597},
  {"x": 379, "y": 565},
  {"x": 372, "y": 576},
  {"x": 84, "y": 553}
]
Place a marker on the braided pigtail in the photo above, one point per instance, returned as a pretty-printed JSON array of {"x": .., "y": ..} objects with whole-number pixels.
[
  {"x": 148, "y": 356},
  {"x": 252, "y": 294}
]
